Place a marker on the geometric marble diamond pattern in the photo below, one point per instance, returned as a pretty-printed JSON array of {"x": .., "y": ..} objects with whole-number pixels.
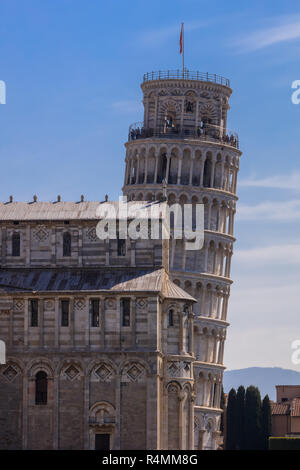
[
  {"x": 173, "y": 369},
  {"x": 134, "y": 372},
  {"x": 79, "y": 304},
  {"x": 72, "y": 372},
  {"x": 92, "y": 235},
  {"x": 103, "y": 372},
  {"x": 10, "y": 373},
  {"x": 41, "y": 234}
]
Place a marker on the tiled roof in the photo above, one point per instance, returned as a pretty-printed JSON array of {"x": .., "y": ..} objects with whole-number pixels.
[
  {"x": 86, "y": 210},
  {"x": 295, "y": 407},
  {"x": 88, "y": 279},
  {"x": 280, "y": 408}
]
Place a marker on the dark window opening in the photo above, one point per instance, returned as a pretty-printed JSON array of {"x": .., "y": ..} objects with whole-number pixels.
[
  {"x": 34, "y": 312},
  {"x": 41, "y": 386},
  {"x": 67, "y": 244},
  {"x": 171, "y": 317},
  {"x": 64, "y": 313},
  {"x": 16, "y": 244},
  {"x": 121, "y": 247},
  {"x": 207, "y": 173},
  {"x": 125, "y": 312},
  {"x": 95, "y": 312},
  {"x": 189, "y": 107},
  {"x": 102, "y": 442}
]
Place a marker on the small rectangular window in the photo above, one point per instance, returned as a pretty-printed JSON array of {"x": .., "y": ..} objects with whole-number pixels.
[
  {"x": 125, "y": 312},
  {"x": 34, "y": 312},
  {"x": 121, "y": 247},
  {"x": 64, "y": 313},
  {"x": 16, "y": 244},
  {"x": 95, "y": 312}
]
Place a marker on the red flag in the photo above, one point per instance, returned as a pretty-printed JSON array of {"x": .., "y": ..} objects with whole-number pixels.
[{"x": 180, "y": 40}]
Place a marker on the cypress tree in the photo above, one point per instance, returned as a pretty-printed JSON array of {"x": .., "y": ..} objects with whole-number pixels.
[
  {"x": 231, "y": 421},
  {"x": 240, "y": 417},
  {"x": 266, "y": 422},
  {"x": 253, "y": 425}
]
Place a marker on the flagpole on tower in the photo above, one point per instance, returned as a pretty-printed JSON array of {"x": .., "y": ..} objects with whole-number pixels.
[{"x": 181, "y": 47}]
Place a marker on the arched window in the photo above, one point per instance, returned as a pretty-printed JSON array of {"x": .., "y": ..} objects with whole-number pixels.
[
  {"x": 207, "y": 173},
  {"x": 67, "y": 244},
  {"x": 41, "y": 386},
  {"x": 171, "y": 317},
  {"x": 16, "y": 244}
]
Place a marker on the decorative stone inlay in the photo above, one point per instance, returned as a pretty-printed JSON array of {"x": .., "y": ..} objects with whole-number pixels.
[
  {"x": 134, "y": 372},
  {"x": 40, "y": 234},
  {"x": 92, "y": 235},
  {"x": 104, "y": 373},
  {"x": 141, "y": 303},
  {"x": 79, "y": 304},
  {"x": 173, "y": 369},
  {"x": 173, "y": 389},
  {"x": 72, "y": 372},
  {"x": 18, "y": 304},
  {"x": 110, "y": 303},
  {"x": 10, "y": 373},
  {"x": 49, "y": 305}
]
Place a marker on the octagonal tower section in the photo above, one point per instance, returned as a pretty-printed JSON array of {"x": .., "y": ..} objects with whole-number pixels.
[{"x": 184, "y": 142}]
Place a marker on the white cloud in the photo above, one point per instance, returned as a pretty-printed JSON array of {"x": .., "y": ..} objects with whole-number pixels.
[
  {"x": 291, "y": 181},
  {"x": 279, "y": 211},
  {"x": 286, "y": 29}
]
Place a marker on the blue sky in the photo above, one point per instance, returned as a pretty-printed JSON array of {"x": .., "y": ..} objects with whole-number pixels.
[{"x": 73, "y": 70}]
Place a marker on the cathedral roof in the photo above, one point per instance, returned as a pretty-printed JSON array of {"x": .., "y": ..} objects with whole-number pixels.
[
  {"x": 84, "y": 210},
  {"x": 88, "y": 279}
]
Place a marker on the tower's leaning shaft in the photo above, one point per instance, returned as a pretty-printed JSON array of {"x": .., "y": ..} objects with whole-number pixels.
[{"x": 185, "y": 141}]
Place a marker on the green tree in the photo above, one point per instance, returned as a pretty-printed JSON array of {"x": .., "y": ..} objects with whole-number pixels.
[
  {"x": 231, "y": 421},
  {"x": 253, "y": 419},
  {"x": 240, "y": 417},
  {"x": 266, "y": 422}
]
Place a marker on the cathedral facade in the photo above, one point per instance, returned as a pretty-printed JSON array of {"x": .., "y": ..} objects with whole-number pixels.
[{"x": 118, "y": 344}]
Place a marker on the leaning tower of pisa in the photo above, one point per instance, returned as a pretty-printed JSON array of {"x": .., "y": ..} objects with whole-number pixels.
[{"x": 184, "y": 142}]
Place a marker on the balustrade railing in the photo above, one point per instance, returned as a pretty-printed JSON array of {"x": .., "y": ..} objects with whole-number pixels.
[
  {"x": 186, "y": 75},
  {"x": 206, "y": 132}
]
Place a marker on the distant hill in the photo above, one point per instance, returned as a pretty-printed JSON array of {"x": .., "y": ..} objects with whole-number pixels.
[{"x": 265, "y": 378}]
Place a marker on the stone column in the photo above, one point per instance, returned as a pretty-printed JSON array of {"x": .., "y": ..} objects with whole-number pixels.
[
  {"x": 191, "y": 171},
  {"x": 202, "y": 170},
  {"x": 168, "y": 168},
  {"x": 146, "y": 168},
  {"x": 156, "y": 168},
  {"x": 179, "y": 170},
  {"x": 137, "y": 176},
  {"x": 212, "y": 176}
]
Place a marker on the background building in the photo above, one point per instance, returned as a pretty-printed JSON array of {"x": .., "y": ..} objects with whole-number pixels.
[{"x": 286, "y": 411}]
